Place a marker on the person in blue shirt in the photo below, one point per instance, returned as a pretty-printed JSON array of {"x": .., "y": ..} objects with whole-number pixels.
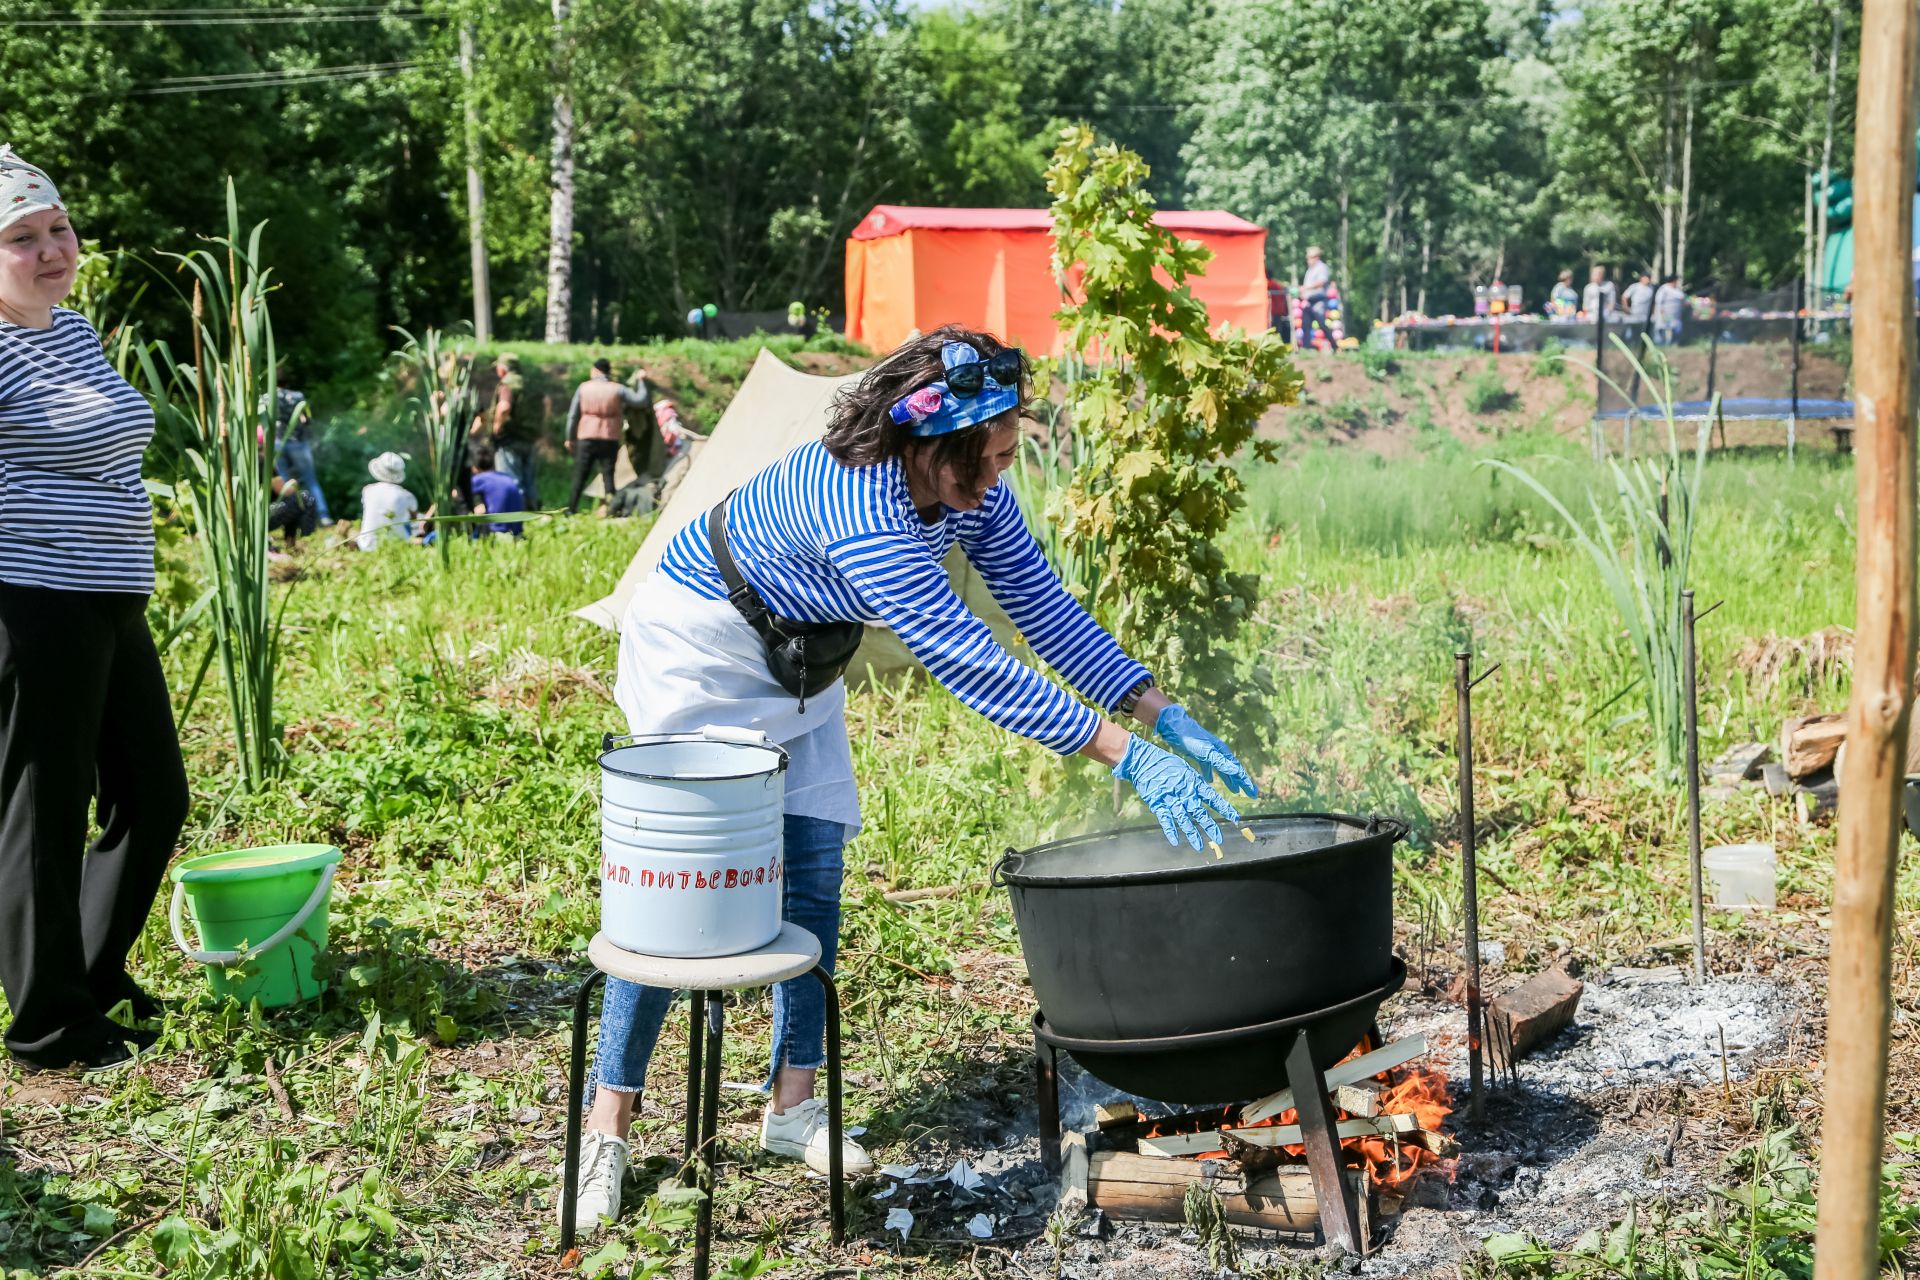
[
  {"x": 837, "y": 533},
  {"x": 494, "y": 493}
]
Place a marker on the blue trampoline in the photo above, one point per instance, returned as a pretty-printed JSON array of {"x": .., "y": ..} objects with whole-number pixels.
[
  {"x": 1745, "y": 409},
  {"x": 1786, "y": 409}
]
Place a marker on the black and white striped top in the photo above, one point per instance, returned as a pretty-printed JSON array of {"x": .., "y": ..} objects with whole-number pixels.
[{"x": 74, "y": 515}]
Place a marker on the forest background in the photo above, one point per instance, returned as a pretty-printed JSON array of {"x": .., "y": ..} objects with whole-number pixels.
[{"x": 719, "y": 151}]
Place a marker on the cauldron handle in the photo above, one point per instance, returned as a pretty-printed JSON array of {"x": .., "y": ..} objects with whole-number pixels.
[
  {"x": 1000, "y": 864},
  {"x": 1395, "y": 829}
]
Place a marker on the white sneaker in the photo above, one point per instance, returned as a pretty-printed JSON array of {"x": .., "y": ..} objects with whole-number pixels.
[
  {"x": 800, "y": 1133},
  {"x": 603, "y": 1166}
]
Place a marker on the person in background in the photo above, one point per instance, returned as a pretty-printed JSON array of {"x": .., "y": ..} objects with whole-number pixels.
[
  {"x": 513, "y": 424},
  {"x": 1564, "y": 301},
  {"x": 387, "y": 508},
  {"x": 495, "y": 493},
  {"x": 596, "y": 421},
  {"x": 1599, "y": 299},
  {"x": 1669, "y": 308},
  {"x": 1314, "y": 286},
  {"x": 293, "y": 511},
  {"x": 1637, "y": 302},
  {"x": 86, "y": 725},
  {"x": 293, "y": 429}
]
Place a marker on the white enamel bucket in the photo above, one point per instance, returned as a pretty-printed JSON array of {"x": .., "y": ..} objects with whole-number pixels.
[{"x": 690, "y": 841}]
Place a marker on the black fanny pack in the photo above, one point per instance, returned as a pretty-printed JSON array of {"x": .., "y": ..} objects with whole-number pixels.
[{"x": 805, "y": 657}]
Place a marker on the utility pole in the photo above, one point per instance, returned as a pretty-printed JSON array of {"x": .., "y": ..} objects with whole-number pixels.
[
  {"x": 476, "y": 197},
  {"x": 1826, "y": 169},
  {"x": 560, "y": 208},
  {"x": 1859, "y": 974}
]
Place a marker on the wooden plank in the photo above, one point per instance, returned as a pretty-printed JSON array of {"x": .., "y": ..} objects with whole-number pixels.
[
  {"x": 1267, "y": 1135},
  {"x": 1530, "y": 1014},
  {"x": 1809, "y": 743},
  {"x": 1364, "y": 1067},
  {"x": 1112, "y": 1115},
  {"x": 1361, "y": 1098},
  {"x": 1144, "y": 1188}
]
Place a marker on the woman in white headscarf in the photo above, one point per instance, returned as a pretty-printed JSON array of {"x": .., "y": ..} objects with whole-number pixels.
[{"x": 84, "y": 711}]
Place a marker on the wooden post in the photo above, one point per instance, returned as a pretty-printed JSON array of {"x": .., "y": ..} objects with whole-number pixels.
[
  {"x": 1854, "y": 1092},
  {"x": 1469, "y": 877},
  {"x": 476, "y": 196},
  {"x": 1689, "y": 675}
]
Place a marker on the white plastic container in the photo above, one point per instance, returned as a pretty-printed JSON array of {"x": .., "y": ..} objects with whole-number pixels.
[
  {"x": 1741, "y": 875},
  {"x": 690, "y": 842}
]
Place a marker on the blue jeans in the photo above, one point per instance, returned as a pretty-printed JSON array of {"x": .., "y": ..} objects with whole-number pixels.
[
  {"x": 295, "y": 462},
  {"x": 631, "y": 1017}
]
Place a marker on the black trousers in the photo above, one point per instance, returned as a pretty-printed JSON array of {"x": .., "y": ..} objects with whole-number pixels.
[
  {"x": 84, "y": 715},
  {"x": 590, "y": 456}
]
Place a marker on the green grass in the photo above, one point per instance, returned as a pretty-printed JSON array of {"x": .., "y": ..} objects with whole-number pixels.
[{"x": 442, "y": 728}]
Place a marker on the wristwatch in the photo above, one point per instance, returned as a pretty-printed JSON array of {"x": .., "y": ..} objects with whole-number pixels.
[{"x": 1131, "y": 698}]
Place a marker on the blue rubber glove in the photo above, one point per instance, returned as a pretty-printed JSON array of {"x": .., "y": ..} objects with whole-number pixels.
[
  {"x": 1177, "y": 795},
  {"x": 1204, "y": 751}
]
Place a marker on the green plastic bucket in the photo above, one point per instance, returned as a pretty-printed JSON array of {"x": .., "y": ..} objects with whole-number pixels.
[{"x": 262, "y": 918}]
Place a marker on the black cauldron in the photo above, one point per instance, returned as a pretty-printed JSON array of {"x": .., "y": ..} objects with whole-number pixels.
[
  {"x": 1127, "y": 938},
  {"x": 1224, "y": 1066}
]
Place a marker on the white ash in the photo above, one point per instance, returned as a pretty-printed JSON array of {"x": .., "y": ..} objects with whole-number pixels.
[{"x": 1632, "y": 1028}]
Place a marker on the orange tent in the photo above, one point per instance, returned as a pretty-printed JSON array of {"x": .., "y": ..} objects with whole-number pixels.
[{"x": 911, "y": 267}]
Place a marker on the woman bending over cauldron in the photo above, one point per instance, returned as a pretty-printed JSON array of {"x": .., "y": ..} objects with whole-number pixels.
[
  {"x": 848, "y": 530},
  {"x": 84, "y": 713}
]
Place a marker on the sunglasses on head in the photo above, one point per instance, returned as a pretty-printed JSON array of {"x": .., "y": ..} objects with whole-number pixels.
[{"x": 1003, "y": 366}]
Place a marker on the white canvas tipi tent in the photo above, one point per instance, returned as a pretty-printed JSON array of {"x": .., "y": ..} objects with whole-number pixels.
[{"x": 776, "y": 408}]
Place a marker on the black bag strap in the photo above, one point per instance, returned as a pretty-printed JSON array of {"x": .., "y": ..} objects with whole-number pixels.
[{"x": 740, "y": 592}]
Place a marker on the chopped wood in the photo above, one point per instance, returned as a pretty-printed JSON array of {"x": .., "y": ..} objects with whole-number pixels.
[
  {"x": 1400, "y": 1122},
  {"x": 1817, "y": 797},
  {"x": 1073, "y": 1172},
  {"x": 1123, "y": 1185},
  {"x": 1440, "y": 1144},
  {"x": 1776, "y": 779},
  {"x": 1529, "y": 1015},
  {"x": 1741, "y": 763},
  {"x": 1364, "y": 1067},
  {"x": 1361, "y": 1098},
  {"x": 1114, "y": 1114},
  {"x": 1809, "y": 743},
  {"x": 1266, "y": 1135}
]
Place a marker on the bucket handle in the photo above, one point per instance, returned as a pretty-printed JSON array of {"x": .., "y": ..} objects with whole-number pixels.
[
  {"x": 711, "y": 732},
  {"x": 1000, "y": 865},
  {"x": 285, "y": 931}
]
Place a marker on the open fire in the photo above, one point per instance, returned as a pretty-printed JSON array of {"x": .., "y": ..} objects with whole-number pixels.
[{"x": 1393, "y": 1128}]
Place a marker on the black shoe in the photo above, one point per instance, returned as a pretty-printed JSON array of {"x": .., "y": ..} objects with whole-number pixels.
[
  {"x": 141, "y": 1006},
  {"x": 107, "y": 1056}
]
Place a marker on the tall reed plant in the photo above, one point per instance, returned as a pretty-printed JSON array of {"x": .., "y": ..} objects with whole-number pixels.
[
  {"x": 442, "y": 408},
  {"x": 221, "y": 407},
  {"x": 1643, "y": 552},
  {"x": 1044, "y": 474}
]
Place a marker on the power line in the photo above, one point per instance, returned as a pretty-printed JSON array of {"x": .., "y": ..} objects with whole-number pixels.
[
  {"x": 285, "y": 78},
  {"x": 227, "y": 17}
]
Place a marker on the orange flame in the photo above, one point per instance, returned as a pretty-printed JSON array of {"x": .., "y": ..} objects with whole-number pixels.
[{"x": 1420, "y": 1092}]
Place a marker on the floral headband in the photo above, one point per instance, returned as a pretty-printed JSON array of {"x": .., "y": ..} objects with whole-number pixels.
[
  {"x": 974, "y": 390},
  {"x": 24, "y": 189}
]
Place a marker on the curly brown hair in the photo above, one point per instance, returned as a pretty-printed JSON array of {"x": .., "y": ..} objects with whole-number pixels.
[{"x": 861, "y": 431}]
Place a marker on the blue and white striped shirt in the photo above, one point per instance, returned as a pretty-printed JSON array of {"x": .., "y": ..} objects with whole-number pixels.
[
  {"x": 74, "y": 515},
  {"x": 825, "y": 542}
]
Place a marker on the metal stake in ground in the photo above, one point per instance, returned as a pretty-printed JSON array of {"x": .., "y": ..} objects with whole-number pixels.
[
  {"x": 1463, "y": 683},
  {"x": 1692, "y": 702}
]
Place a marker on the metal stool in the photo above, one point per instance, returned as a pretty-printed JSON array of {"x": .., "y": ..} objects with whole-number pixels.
[{"x": 793, "y": 952}]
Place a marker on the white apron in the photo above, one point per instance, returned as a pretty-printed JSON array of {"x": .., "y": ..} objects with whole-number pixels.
[{"x": 686, "y": 661}]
